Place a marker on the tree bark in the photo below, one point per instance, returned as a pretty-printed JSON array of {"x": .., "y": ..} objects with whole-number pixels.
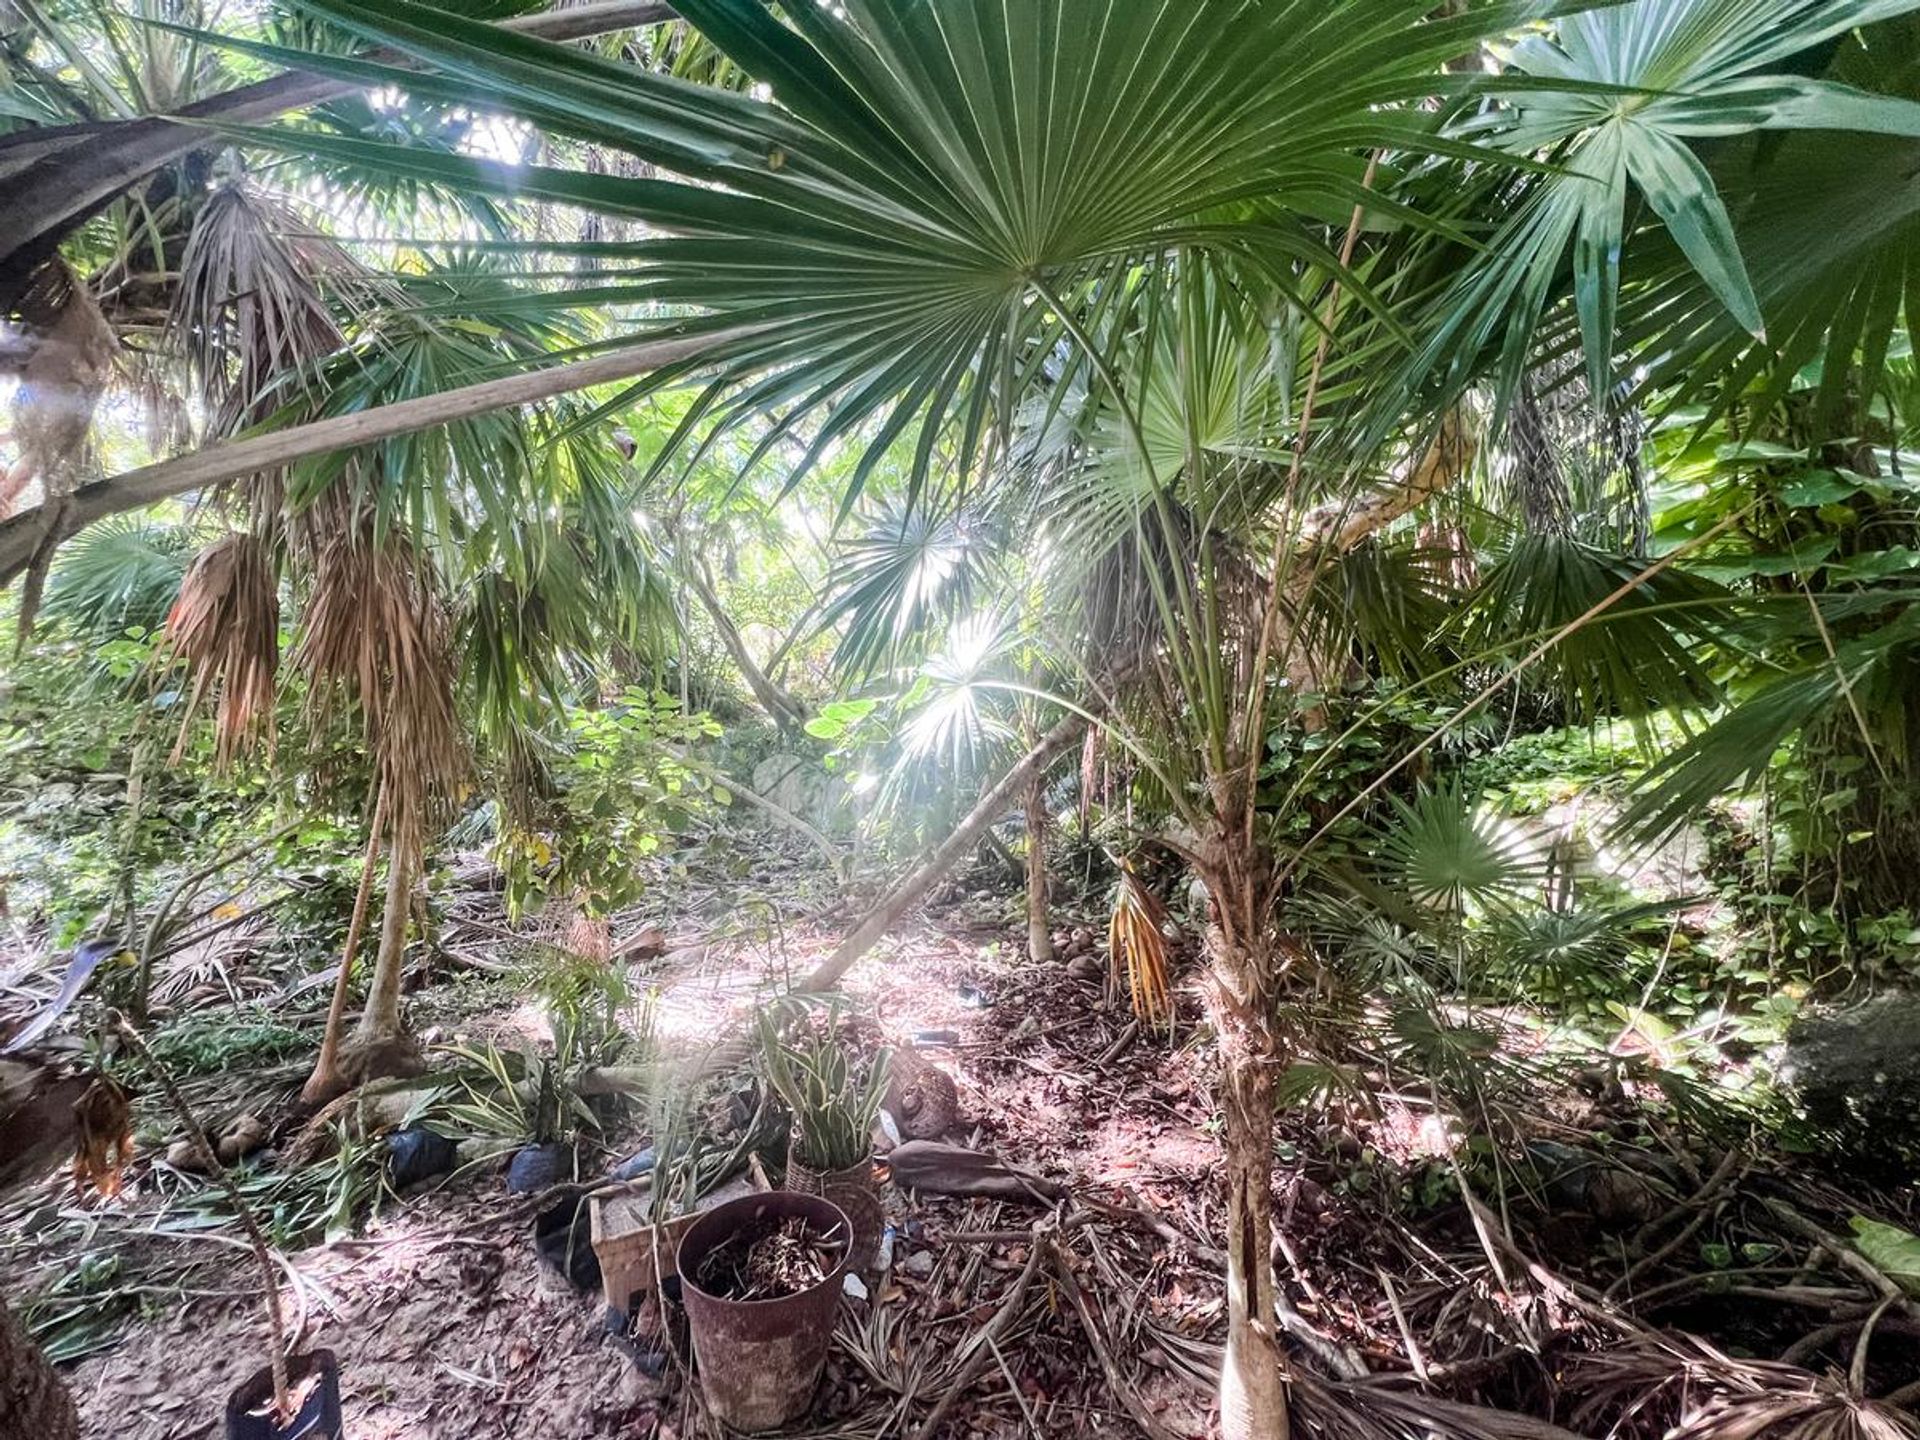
[
  {"x": 60, "y": 178},
  {"x": 380, "y": 1044},
  {"x": 1039, "y": 923},
  {"x": 34, "y": 1400},
  {"x": 232, "y": 459},
  {"x": 992, "y": 805},
  {"x": 1253, "y": 1391}
]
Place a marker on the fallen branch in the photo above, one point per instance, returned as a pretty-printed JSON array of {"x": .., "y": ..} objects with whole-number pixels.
[
  {"x": 1062, "y": 1263},
  {"x": 979, "y": 1351}
]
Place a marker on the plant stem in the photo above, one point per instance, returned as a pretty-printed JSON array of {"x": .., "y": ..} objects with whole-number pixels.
[{"x": 283, "y": 1409}]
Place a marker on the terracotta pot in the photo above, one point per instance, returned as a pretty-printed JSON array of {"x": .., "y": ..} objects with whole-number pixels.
[
  {"x": 759, "y": 1360},
  {"x": 855, "y": 1190}
]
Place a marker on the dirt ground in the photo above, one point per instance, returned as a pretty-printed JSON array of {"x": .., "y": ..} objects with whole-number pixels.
[{"x": 446, "y": 1322}]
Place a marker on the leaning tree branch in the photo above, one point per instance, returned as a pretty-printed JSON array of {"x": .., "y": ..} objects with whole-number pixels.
[
  {"x": 21, "y": 535},
  {"x": 991, "y": 806}
]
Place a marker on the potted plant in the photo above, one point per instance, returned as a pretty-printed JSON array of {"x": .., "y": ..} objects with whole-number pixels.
[
  {"x": 294, "y": 1396},
  {"x": 760, "y": 1278},
  {"x": 834, "y": 1104}
]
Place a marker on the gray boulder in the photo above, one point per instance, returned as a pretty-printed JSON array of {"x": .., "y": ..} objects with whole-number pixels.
[{"x": 1855, "y": 1073}]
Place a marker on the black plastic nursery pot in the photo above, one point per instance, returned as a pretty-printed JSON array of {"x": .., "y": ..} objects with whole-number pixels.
[
  {"x": 249, "y": 1405},
  {"x": 760, "y": 1360}
]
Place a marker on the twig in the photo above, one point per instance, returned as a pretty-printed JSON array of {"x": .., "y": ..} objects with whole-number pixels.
[
  {"x": 1703, "y": 1206},
  {"x": 1414, "y": 1356},
  {"x": 1843, "y": 1253},
  {"x": 1096, "y": 1336},
  {"x": 1123, "y": 1042},
  {"x": 1033, "y": 1426},
  {"x": 1857, "y": 1372}
]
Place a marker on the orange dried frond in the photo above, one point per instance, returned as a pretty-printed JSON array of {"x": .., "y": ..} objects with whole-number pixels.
[
  {"x": 104, "y": 1138},
  {"x": 225, "y": 625},
  {"x": 1137, "y": 940}
]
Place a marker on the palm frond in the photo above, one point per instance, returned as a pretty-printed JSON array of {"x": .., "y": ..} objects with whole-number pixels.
[
  {"x": 225, "y": 626},
  {"x": 1137, "y": 943},
  {"x": 118, "y": 576}
]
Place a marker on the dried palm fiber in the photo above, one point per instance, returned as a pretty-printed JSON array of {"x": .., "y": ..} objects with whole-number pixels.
[
  {"x": 1137, "y": 939},
  {"x": 1678, "y": 1387},
  {"x": 375, "y": 634},
  {"x": 248, "y": 314},
  {"x": 70, "y": 353},
  {"x": 226, "y": 626},
  {"x": 250, "y": 317}
]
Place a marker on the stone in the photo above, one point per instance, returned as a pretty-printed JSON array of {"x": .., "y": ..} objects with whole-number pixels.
[
  {"x": 1855, "y": 1074},
  {"x": 244, "y": 1136},
  {"x": 919, "y": 1264}
]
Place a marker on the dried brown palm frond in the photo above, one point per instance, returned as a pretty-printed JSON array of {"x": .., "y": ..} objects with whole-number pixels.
[
  {"x": 375, "y": 633},
  {"x": 1137, "y": 940},
  {"x": 62, "y": 358},
  {"x": 1678, "y": 1387},
  {"x": 104, "y": 1143},
  {"x": 225, "y": 625},
  {"x": 249, "y": 313},
  {"x": 1364, "y": 1410}
]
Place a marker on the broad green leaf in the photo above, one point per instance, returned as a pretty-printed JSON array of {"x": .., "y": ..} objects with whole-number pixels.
[{"x": 1892, "y": 1251}]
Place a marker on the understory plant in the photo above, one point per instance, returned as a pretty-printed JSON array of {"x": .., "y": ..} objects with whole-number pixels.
[{"x": 834, "y": 1100}]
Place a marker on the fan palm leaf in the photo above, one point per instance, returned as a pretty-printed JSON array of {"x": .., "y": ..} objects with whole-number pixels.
[{"x": 934, "y": 195}]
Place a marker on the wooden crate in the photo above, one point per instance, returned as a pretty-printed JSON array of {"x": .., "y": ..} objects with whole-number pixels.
[{"x": 623, "y": 1240}]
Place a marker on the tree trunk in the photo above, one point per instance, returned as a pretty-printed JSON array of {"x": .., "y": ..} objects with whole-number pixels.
[
  {"x": 787, "y": 713},
  {"x": 327, "y": 1083},
  {"x": 1253, "y": 1392},
  {"x": 380, "y": 1045},
  {"x": 1039, "y": 925},
  {"x": 884, "y": 916},
  {"x": 34, "y": 1402},
  {"x": 20, "y": 535}
]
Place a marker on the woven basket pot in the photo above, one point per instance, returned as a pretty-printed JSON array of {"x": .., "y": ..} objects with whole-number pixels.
[{"x": 854, "y": 1189}]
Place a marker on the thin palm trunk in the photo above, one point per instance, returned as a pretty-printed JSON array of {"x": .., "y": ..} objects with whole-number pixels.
[
  {"x": 380, "y": 1044},
  {"x": 1253, "y": 1392},
  {"x": 1039, "y": 924},
  {"x": 327, "y": 1082}
]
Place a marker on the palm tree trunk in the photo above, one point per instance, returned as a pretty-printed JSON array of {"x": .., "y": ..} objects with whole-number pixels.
[
  {"x": 1253, "y": 1392},
  {"x": 34, "y": 1400},
  {"x": 1039, "y": 925},
  {"x": 380, "y": 1044},
  {"x": 327, "y": 1082}
]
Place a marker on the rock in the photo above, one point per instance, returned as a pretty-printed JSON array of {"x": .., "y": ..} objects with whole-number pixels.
[
  {"x": 919, "y": 1264},
  {"x": 1087, "y": 967},
  {"x": 1855, "y": 1073},
  {"x": 185, "y": 1155},
  {"x": 244, "y": 1136},
  {"x": 802, "y": 786}
]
